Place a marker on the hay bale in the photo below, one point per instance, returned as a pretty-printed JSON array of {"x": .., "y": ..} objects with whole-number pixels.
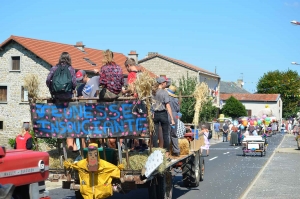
[
  {"x": 54, "y": 159},
  {"x": 184, "y": 146},
  {"x": 137, "y": 160}
]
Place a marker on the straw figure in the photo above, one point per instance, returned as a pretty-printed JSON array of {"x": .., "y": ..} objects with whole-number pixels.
[
  {"x": 143, "y": 84},
  {"x": 200, "y": 94},
  {"x": 31, "y": 83}
]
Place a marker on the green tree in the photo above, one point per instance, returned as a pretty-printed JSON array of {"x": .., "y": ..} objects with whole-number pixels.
[
  {"x": 186, "y": 88},
  {"x": 208, "y": 112},
  {"x": 285, "y": 83},
  {"x": 234, "y": 108}
]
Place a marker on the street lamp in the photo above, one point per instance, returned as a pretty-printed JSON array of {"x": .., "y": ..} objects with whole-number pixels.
[
  {"x": 295, "y": 63},
  {"x": 295, "y": 22}
]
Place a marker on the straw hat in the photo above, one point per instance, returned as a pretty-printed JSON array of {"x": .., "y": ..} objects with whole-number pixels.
[{"x": 171, "y": 91}]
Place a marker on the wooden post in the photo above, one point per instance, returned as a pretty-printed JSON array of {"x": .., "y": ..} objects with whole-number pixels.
[
  {"x": 119, "y": 150},
  {"x": 127, "y": 155},
  {"x": 64, "y": 149}
]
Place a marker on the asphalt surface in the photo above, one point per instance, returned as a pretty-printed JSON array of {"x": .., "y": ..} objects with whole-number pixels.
[
  {"x": 227, "y": 175},
  {"x": 280, "y": 178}
]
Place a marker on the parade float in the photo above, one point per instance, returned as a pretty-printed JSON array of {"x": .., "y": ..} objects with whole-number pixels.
[{"x": 104, "y": 170}]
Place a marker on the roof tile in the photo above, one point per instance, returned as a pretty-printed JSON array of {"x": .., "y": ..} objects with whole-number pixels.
[
  {"x": 251, "y": 97},
  {"x": 50, "y": 52}
]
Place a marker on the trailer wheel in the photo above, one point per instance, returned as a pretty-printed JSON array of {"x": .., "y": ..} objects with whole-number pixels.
[
  {"x": 78, "y": 195},
  {"x": 202, "y": 168},
  {"x": 164, "y": 188},
  {"x": 191, "y": 171}
]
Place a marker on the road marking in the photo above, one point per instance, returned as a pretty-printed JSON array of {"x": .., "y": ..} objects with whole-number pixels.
[
  {"x": 226, "y": 153},
  {"x": 213, "y": 158},
  {"x": 237, "y": 148}
]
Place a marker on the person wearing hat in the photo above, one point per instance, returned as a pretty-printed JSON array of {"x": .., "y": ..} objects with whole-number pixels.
[
  {"x": 175, "y": 110},
  {"x": 24, "y": 139},
  {"x": 91, "y": 85},
  {"x": 161, "y": 108}
]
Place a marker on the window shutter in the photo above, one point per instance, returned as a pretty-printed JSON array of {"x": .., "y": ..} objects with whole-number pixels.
[
  {"x": 3, "y": 93},
  {"x": 15, "y": 63}
]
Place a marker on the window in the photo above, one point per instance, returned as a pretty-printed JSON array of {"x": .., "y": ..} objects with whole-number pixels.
[
  {"x": 15, "y": 63},
  {"x": 3, "y": 93},
  {"x": 1, "y": 125},
  {"x": 90, "y": 61},
  {"x": 249, "y": 113},
  {"x": 24, "y": 94}
]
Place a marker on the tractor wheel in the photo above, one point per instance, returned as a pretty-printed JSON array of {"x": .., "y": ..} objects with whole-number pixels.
[
  {"x": 202, "y": 168},
  {"x": 191, "y": 171},
  {"x": 164, "y": 187}
]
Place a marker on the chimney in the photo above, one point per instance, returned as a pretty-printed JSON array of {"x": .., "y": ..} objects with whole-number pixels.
[
  {"x": 152, "y": 54},
  {"x": 133, "y": 55},
  {"x": 80, "y": 46},
  {"x": 240, "y": 83}
]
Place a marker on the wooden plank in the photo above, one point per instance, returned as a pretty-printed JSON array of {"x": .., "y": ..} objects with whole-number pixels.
[{"x": 175, "y": 160}]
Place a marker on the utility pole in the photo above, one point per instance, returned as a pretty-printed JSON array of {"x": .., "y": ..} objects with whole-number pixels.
[{"x": 215, "y": 69}]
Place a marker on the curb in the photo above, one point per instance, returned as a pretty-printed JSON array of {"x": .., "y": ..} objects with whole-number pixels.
[{"x": 248, "y": 189}]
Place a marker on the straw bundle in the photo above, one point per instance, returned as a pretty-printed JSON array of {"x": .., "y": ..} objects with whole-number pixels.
[
  {"x": 31, "y": 83},
  {"x": 200, "y": 94},
  {"x": 184, "y": 146},
  {"x": 143, "y": 85}
]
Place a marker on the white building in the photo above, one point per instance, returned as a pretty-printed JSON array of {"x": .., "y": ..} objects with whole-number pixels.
[{"x": 255, "y": 103}]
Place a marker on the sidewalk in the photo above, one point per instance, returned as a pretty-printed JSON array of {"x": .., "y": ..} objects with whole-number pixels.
[{"x": 280, "y": 176}]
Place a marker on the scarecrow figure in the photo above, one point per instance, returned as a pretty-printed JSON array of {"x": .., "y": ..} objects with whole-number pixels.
[{"x": 95, "y": 174}]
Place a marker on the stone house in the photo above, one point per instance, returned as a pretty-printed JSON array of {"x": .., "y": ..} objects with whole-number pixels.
[
  {"x": 174, "y": 69},
  {"x": 21, "y": 56},
  {"x": 255, "y": 103}
]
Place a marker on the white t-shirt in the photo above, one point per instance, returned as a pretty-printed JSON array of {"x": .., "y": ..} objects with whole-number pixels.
[{"x": 91, "y": 87}]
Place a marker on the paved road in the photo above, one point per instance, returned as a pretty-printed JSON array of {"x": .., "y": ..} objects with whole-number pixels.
[
  {"x": 280, "y": 177},
  {"x": 227, "y": 175}
]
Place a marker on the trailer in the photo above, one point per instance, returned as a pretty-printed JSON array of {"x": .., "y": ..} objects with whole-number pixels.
[
  {"x": 254, "y": 145},
  {"x": 124, "y": 119}
]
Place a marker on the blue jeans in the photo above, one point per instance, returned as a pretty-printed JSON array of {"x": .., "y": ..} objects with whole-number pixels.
[
  {"x": 282, "y": 132},
  {"x": 225, "y": 135}
]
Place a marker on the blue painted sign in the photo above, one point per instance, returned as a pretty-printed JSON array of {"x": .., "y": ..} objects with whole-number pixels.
[{"x": 96, "y": 120}]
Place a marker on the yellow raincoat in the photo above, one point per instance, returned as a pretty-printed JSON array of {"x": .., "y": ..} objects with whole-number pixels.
[{"x": 95, "y": 185}]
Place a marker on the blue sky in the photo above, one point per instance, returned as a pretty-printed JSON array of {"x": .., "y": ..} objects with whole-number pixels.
[{"x": 235, "y": 36}]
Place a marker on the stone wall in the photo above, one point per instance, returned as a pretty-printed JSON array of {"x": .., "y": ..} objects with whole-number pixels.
[
  {"x": 15, "y": 112},
  {"x": 160, "y": 66}
]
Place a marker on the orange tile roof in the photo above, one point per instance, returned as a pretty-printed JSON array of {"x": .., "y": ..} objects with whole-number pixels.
[
  {"x": 179, "y": 62},
  {"x": 251, "y": 97},
  {"x": 50, "y": 52}
]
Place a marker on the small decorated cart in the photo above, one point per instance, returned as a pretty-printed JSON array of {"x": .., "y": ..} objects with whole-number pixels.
[{"x": 254, "y": 145}]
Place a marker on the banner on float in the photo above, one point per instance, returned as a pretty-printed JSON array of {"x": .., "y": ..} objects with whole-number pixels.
[{"x": 96, "y": 120}]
